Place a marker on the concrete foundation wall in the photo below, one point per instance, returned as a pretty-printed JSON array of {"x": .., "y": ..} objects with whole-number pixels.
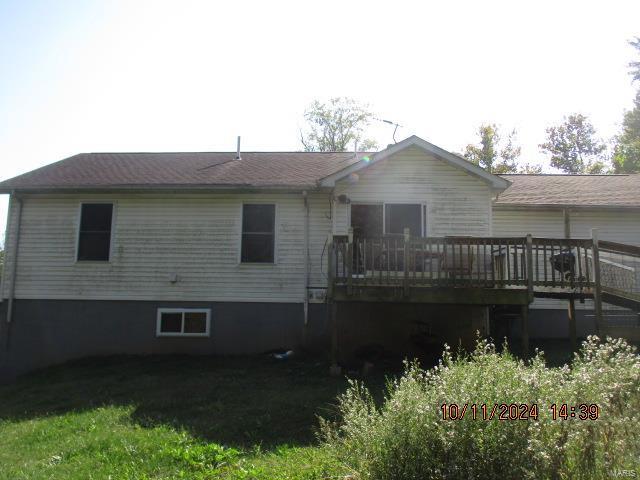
[{"x": 48, "y": 332}]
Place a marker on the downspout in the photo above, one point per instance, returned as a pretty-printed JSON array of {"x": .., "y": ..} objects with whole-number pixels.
[
  {"x": 306, "y": 258},
  {"x": 14, "y": 253}
]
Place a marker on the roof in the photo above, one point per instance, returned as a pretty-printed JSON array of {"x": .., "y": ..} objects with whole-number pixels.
[
  {"x": 306, "y": 170},
  {"x": 176, "y": 170},
  {"x": 497, "y": 183},
  {"x": 287, "y": 170},
  {"x": 571, "y": 190}
]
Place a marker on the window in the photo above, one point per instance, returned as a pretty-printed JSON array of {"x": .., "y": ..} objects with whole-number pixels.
[
  {"x": 258, "y": 233},
  {"x": 181, "y": 322},
  {"x": 94, "y": 239},
  {"x": 398, "y": 216},
  {"x": 366, "y": 220}
]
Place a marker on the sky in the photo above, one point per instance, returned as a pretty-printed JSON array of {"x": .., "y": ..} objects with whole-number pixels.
[{"x": 89, "y": 76}]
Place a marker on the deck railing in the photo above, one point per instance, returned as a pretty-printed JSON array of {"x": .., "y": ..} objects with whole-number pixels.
[
  {"x": 532, "y": 263},
  {"x": 620, "y": 268}
]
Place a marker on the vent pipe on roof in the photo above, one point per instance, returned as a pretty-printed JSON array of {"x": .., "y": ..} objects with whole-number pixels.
[{"x": 238, "y": 153}]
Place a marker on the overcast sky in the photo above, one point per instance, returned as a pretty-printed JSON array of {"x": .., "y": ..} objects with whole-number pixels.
[{"x": 190, "y": 76}]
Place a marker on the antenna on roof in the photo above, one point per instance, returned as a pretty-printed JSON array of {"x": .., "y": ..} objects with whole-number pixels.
[
  {"x": 390, "y": 123},
  {"x": 238, "y": 153}
]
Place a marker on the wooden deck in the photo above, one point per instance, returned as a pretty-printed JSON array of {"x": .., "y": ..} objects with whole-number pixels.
[{"x": 483, "y": 271}]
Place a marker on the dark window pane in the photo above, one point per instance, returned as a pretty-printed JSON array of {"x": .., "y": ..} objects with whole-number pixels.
[
  {"x": 257, "y": 248},
  {"x": 366, "y": 220},
  {"x": 171, "y": 322},
  {"x": 96, "y": 216},
  {"x": 95, "y": 231},
  {"x": 195, "y": 322},
  {"x": 258, "y": 218},
  {"x": 94, "y": 246},
  {"x": 258, "y": 227},
  {"x": 399, "y": 216}
]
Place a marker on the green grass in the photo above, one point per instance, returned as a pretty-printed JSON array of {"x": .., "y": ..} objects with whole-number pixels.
[{"x": 168, "y": 417}]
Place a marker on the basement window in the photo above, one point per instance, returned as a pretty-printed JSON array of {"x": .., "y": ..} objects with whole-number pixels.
[
  {"x": 94, "y": 237},
  {"x": 183, "y": 322},
  {"x": 258, "y": 233}
]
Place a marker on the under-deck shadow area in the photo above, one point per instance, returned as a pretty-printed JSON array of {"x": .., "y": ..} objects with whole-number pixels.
[{"x": 239, "y": 402}]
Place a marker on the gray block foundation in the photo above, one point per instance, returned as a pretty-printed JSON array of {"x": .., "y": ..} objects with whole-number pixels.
[{"x": 48, "y": 332}]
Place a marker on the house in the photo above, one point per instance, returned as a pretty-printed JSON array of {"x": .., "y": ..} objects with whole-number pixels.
[{"x": 243, "y": 252}]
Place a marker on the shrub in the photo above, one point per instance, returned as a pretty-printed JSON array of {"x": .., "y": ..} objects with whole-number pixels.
[{"x": 406, "y": 437}]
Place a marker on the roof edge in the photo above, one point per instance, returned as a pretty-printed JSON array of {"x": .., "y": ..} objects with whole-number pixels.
[
  {"x": 560, "y": 206},
  {"x": 161, "y": 188}
]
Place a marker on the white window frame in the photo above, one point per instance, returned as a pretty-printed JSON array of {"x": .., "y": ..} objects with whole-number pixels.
[
  {"x": 111, "y": 237},
  {"x": 159, "y": 333},
  {"x": 275, "y": 234}
]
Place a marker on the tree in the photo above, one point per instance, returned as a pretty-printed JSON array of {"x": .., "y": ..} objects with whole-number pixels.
[
  {"x": 334, "y": 125},
  {"x": 574, "y": 147},
  {"x": 626, "y": 154},
  {"x": 491, "y": 153},
  {"x": 635, "y": 65},
  {"x": 530, "y": 169}
]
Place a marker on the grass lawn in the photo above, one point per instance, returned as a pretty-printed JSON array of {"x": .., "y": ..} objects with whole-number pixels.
[{"x": 168, "y": 417}]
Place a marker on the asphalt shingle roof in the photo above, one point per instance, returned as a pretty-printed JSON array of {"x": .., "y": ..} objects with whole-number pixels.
[
  {"x": 578, "y": 190},
  {"x": 292, "y": 170},
  {"x": 254, "y": 169}
]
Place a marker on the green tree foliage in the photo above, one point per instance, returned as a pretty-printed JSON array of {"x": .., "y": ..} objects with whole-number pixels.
[
  {"x": 635, "y": 65},
  {"x": 574, "y": 147},
  {"x": 336, "y": 126},
  {"x": 626, "y": 157},
  {"x": 492, "y": 153}
]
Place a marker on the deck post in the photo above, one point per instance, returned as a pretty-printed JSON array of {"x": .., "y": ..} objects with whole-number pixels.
[
  {"x": 330, "y": 268},
  {"x": 524, "y": 314},
  {"x": 349, "y": 261},
  {"x": 572, "y": 323},
  {"x": 334, "y": 368},
  {"x": 597, "y": 288},
  {"x": 530, "y": 266},
  {"x": 572, "y": 301},
  {"x": 405, "y": 282}
]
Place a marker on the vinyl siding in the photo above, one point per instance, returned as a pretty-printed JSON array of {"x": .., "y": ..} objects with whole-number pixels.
[
  {"x": 195, "y": 236},
  {"x": 457, "y": 203}
]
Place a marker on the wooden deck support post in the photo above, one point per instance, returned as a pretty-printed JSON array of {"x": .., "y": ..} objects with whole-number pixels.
[
  {"x": 572, "y": 323},
  {"x": 330, "y": 269},
  {"x": 332, "y": 310},
  {"x": 405, "y": 282},
  {"x": 529, "y": 247},
  {"x": 597, "y": 288},
  {"x": 524, "y": 314},
  {"x": 334, "y": 368},
  {"x": 349, "y": 261},
  {"x": 571, "y": 311}
]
